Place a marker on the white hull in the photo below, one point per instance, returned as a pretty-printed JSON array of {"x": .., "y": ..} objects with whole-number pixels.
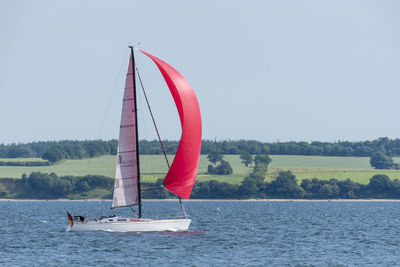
[{"x": 132, "y": 225}]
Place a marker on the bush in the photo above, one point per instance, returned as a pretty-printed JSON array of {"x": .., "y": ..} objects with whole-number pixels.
[
  {"x": 285, "y": 185},
  {"x": 224, "y": 168},
  {"x": 379, "y": 160}
]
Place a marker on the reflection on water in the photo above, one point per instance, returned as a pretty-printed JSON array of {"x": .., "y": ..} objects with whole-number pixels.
[{"x": 227, "y": 233}]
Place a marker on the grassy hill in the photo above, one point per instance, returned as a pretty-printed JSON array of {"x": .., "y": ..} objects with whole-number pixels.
[{"x": 154, "y": 167}]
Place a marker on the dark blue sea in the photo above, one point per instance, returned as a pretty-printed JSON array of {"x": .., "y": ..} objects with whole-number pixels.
[{"x": 222, "y": 233}]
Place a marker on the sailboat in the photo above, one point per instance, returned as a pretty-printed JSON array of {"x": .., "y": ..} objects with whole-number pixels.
[{"x": 182, "y": 172}]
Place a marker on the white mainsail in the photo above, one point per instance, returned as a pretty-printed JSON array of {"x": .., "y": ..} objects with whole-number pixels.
[{"x": 126, "y": 174}]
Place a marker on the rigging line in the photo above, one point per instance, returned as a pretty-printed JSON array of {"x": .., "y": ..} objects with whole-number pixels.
[
  {"x": 152, "y": 117},
  {"x": 134, "y": 212},
  {"x": 183, "y": 208},
  {"x": 146, "y": 135},
  {"x": 180, "y": 202},
  {"x": 112, "y": 94}
]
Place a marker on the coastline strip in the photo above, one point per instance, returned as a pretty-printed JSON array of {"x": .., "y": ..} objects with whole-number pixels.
[{"x": 205, "y": 200}]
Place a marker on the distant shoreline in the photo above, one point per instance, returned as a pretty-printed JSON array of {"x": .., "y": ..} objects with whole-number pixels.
[{"x": 206, "y": 200}]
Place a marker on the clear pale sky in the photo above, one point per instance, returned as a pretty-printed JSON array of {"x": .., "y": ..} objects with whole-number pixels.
[{"x": 263, "y": 70}]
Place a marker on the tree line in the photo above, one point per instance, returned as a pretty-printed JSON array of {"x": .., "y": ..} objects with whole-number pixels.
[
  {"x": 285, "y": 186},
  {"x": 49, "y": 186},
  {"x": 24, "y": 163},
  {"x": 58, "y": 150},
  {"x": 54, "y": 151},
  {"x": 389, "y": 147}
]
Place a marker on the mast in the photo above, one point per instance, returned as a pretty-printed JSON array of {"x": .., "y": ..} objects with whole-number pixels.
[{"x": 137, "y": 136}]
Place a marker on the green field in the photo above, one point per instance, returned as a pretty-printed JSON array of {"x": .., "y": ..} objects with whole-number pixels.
[{"x": 154, "y": 167}]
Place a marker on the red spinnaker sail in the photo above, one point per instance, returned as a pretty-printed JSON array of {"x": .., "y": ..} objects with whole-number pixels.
[{"x": 182, "y": 174}]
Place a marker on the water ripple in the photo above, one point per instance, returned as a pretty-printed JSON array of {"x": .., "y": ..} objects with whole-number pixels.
[{"x": 222, "y": 233}]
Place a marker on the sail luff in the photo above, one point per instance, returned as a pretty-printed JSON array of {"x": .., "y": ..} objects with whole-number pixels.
[{"x": 139, "y": 192}]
